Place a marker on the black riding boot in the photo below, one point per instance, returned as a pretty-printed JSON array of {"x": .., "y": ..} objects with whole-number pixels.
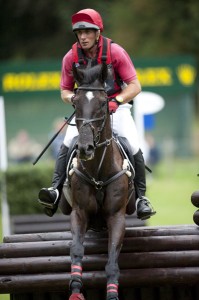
[
  {"x": 49, "y": 197},
  {"x": 143, "y": 205}
]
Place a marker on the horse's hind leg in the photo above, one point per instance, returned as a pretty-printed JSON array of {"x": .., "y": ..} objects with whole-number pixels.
[
  {"x": 116, "y": 228},
  {"x": 78, "y": 229}
]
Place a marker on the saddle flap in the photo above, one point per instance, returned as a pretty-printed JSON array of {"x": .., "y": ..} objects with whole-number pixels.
[{"x": 126, "y": 151}]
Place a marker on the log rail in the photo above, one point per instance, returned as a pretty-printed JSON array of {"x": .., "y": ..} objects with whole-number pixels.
[{"x": 157, "y": 263}]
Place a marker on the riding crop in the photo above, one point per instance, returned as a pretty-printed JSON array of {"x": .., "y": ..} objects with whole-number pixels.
[{"x": 67, "y": 121}]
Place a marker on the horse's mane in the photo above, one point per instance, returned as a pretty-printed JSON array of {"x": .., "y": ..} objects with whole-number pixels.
[{"x": 90, "y": 75}]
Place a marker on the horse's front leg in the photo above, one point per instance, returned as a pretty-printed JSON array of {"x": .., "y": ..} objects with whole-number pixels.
[
  {"x": 116, "y": 228},
  {"x": 78, "y": 229}
]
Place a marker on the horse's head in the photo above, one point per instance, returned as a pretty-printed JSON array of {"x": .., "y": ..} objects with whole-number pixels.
[{"x": 91, "y": 106}]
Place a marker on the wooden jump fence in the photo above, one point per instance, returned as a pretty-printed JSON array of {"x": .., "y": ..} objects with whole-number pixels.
[
  {"x": 195, "y": 202},
  {"x": 157, "y": 263},
  {"x": 37, "y": 223}
]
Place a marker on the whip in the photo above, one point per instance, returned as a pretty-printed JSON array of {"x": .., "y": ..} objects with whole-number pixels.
[{"x": 67, "y": 121}]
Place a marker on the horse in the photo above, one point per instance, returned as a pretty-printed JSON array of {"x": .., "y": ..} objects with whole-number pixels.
[{"x": 99, "y": 184}]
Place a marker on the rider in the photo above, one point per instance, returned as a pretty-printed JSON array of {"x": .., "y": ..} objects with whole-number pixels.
[{"x": 87, "y": 25}]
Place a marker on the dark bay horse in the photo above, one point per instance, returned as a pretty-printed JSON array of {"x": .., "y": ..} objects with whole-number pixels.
[{"x": 99, "y": 185}]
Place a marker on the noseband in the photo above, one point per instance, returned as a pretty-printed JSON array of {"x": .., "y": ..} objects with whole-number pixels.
[{"x": 90, "y": 121}]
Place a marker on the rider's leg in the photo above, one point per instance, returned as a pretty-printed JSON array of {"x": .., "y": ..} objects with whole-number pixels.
[
  {"x": 143, "y": 206},
  {"x": 49, "y": 197},
  {"x": 123, "y": 125}
]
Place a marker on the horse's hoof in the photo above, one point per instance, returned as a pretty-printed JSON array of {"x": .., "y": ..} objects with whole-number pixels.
[{"x": 76, "y": 296}]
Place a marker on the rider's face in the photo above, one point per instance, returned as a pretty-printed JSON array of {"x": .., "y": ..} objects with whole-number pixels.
[{"x": 87, "y": 38}]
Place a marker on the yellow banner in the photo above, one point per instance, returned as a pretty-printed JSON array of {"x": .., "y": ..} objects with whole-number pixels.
[
  {"x": 30, "y": 81},
  {"x": 182, "y": 75}
]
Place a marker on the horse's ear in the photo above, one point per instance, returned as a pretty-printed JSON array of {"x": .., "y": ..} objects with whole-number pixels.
[
  {"x": 77, "y": 74},
  {"x": 104, "y": 71}
]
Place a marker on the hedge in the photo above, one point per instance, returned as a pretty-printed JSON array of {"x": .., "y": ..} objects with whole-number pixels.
[{"x": 23, "y": 183}]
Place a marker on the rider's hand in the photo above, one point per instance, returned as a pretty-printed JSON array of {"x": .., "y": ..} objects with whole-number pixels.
[
  {"x": 113, "y": 106},
  {"x": 72, "y": 96},
  {"x": 72, "y": 100}
]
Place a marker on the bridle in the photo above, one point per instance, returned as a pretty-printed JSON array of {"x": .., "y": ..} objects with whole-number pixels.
[
  {"x": 96, "y": 138},
  {"x": 85, "y": 175}
]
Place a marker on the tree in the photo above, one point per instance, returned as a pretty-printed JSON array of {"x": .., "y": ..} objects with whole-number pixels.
[
  {"x": 39, "y": 29},
  {"x": 151, "y": 28}
]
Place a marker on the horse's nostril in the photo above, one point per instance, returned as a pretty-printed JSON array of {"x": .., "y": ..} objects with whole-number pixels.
[
  {"x": 85, "y": 149},
  {"x": 85, "y": 153},
  {"x": 90, "y": 148}
]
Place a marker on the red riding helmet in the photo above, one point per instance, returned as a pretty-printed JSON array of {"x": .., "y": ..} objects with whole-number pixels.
[{"x": 87, "y": 18}]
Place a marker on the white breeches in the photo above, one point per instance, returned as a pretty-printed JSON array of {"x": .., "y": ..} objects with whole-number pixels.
[{"x": 123, "y": 125}]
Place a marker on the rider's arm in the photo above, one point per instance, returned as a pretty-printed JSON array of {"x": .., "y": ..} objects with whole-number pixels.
[
  {"x": 66, "y": 95},
  {"x": 67, "y": 80},
  {"x": 132, "y": 89},
  {"x": 125, "y": 69}
]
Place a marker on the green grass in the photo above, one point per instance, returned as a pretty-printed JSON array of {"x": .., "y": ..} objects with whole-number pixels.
[
  {"x": 169, "y": 189},
  {"x": 5, "y": 297}
]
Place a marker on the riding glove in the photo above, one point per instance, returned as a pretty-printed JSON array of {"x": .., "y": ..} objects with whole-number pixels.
[{"x": 113, "y": 106}]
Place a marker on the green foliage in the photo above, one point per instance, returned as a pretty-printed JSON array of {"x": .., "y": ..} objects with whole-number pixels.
[
  {"x": 143, "y": 27},
  {"x": 149, "y": 28},
  {"x": 39, "y": 29},
  {"x": 23, "y": 185}
]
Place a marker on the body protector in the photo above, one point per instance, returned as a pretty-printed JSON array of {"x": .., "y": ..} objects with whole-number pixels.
[{"x": 113, "y": 84}]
